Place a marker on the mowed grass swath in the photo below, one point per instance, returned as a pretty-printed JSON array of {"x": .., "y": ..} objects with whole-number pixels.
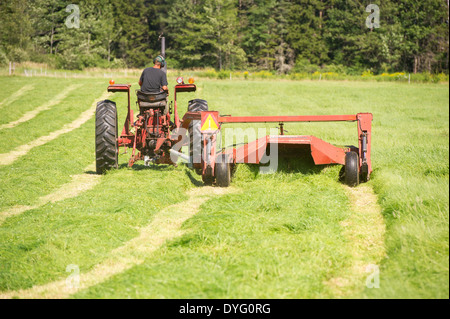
[{"x": 277, "y": 236}]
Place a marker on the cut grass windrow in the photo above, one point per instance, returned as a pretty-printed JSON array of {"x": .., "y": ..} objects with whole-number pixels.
[
  {"x": 165, "y": 226},
  {"x": 79, "y": 183},
  {"x": 31, "y": 114},
  {"x": 365, "y": 231},
  {"x": 8, "y": 158},
  {"x": 16, "y": 95}
]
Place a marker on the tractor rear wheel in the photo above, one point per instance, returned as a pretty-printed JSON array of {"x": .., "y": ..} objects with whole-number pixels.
[
  {"x": 195, "y": 150},
  {"x": 223, "y": 172},
  {"x": 351, "y": 170},
  {"x": 106, "y": 139}
]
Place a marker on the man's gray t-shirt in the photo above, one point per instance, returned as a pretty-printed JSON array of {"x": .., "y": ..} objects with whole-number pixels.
[{"x": 153, "y": 80}]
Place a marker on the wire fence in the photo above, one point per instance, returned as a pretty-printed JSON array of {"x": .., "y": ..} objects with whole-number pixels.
[{"x": 33, "y": 70}]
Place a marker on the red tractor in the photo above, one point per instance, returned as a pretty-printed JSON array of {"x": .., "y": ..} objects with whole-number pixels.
[{"x": 150, "y": 135}]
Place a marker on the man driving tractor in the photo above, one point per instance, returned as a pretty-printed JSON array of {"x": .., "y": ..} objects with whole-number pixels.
[{"x": 153, "y": 82}]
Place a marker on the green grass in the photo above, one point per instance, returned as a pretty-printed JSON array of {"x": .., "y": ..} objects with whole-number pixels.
[
  {"x": 279, "y": 237},
  {"x": 10, "y": 86},
  {"x": 40, "y": 94},
  {"x": 50, "y": 120}
]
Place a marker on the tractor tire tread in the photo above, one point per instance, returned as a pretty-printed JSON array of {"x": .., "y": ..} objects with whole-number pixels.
[
  {"x": 106, "y": 146},
  {"x": 223, "y": 172},
  {"x": 196, "y": 105},
  {"x": 351, "y": 169}
]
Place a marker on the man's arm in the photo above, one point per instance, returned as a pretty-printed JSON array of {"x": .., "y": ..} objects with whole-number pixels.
[
  {"x": 164, "y": 83},
  {"x": 141, "y": 78}
]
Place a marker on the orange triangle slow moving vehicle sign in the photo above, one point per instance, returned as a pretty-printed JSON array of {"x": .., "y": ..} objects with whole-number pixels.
[{"x": 210, "y": 124}]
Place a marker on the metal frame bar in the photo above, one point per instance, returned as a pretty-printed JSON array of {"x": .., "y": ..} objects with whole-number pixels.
[{"x": 281, "y": 119}]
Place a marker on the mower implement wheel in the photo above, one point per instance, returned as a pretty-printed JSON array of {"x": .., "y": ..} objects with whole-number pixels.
[
  {"x": 351, "y": 174},
  {"x": 223, "y": 172},
  {"x": 195, "y": 150},
  {"x": 106, "y": 144}
]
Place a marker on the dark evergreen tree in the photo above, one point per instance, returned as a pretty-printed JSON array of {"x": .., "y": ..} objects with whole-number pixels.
[
  {"x": 305, "y": 30},
  {"x": 230, "y": 34}
]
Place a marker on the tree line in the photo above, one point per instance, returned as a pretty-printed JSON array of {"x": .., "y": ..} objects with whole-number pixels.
[{"x": 275, "y": 35}]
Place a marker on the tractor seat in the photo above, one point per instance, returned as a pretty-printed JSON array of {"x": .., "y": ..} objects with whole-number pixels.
[{"x": 151, "y": 99}]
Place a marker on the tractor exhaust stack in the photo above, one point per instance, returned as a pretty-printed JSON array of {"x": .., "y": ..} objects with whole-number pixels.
[{"x": 163, "y": 51}]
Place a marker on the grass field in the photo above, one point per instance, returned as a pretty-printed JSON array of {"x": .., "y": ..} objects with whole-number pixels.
[{"x": 157, "y": 233}]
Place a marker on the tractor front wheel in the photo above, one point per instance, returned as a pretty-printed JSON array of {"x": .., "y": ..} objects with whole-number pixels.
[
  {"x": 106, "y": 139},
  {"x": 223, "y": 172},
  {"x": 351, "y": 170}
]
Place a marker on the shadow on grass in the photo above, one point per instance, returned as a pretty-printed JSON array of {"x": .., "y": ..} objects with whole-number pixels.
[
  {"x": 298, "y": 163},
  {"x": 288, "y": 162},
  {"x": 153, "y": 167},
  {"x": 139, "y": 167},
  {"x": 193, "y": 179},
  {"x": 163, "y": 168}
]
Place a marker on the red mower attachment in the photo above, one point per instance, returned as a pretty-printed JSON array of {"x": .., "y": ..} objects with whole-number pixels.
[{"x": 217, "y": 166}]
